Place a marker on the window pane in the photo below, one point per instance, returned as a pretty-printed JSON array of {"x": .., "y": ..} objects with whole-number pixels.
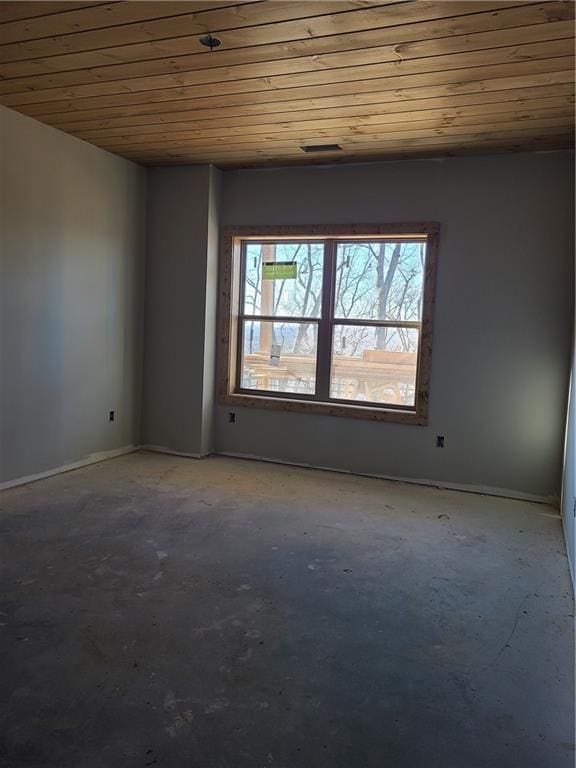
[
  {"x": 279, "y": 357},
  {"x": 376, "y": 365},
  {"x": 299, "y": 296},
  {"x": 379, "y": 280}
]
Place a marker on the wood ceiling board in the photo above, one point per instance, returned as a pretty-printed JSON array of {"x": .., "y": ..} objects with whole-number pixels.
[
  {"x": 349, "y": 135},
  {"x": 14, "y": 11},
  {"x": 371, "y": 149},
  {"x": 376, "y": 141},
  {"x": 529, "y": 74},
  {"x": 440, "y": 145},
  {"x": 371, "y": 80},
  {"x": 435, "y": 151},
  {"x": 333, "y": 68},
  {"x": 266, "y": 114},
  {"x": 374, "y": 152},
  {"x": 411, "y": 110},
  {"x": 550, "y": 108},
  {"x": 139, "y": 79},
  {"x": 91, "y": 16},
  {"x": 374, "y": 144},
  {"x": 248, "y": 22},
  {"x": 375, "y": 77},
  {"x": 320, "y": 34}
]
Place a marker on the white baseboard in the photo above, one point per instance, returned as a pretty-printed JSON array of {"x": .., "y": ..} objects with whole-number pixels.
[
  {"x": 480, "y": 489},
  {"x": 170, "y": 452},
  {"x": 93, "y": 458}
]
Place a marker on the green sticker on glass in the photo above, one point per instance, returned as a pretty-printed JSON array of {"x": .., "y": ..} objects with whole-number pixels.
[{"x": 279, "y": 270}]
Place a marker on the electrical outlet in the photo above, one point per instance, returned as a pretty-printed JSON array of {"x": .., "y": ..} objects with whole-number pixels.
[
  {"x": 232, "y": 417},
  {"x": 439, "y": 441},
  {"x": 111, "y": 416}
]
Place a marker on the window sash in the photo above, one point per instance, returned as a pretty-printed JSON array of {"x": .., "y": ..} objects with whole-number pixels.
[{"x": 325, "y": 322}]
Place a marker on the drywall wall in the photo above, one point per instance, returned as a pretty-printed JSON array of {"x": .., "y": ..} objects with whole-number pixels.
[
  {"x": 72, "y": 267},
  {"x": 569, "y": 478},
  {"x": 211, "y": 309},
  {"x": 181, "y": 289},
  {"x": 501, "y": 344}
]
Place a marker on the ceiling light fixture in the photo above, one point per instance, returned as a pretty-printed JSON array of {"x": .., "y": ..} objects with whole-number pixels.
[{"x": 210, "y": 42}]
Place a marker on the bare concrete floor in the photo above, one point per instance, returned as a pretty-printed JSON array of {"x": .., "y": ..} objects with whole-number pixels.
[{"x": 160, "y": 611}]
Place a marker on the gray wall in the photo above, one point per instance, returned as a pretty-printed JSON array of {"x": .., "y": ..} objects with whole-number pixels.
[
  {"x": 502, "y": 324},
  {"x": 180, "y": 335},
  {"x": 72, "y": 271},
  {"x": 569, "y": 480},
  {"x": 72, "y": 258},
  {"x": 211, "y": 309}
]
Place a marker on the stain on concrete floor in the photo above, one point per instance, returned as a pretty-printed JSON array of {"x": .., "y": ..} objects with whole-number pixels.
[{"x": 161, "y": 611}]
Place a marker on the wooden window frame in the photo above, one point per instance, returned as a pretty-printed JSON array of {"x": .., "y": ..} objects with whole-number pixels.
[{"x": 230, "y": 292}]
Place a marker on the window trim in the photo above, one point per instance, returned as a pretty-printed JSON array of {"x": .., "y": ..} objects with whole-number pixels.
[{"x": 230, "y": 314}]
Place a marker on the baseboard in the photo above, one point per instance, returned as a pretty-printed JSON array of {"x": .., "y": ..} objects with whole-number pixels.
[
  {"x": 479, "y": 489},
  {"x": 93, "y": 458},
  {"x": 170, "y": 452}
]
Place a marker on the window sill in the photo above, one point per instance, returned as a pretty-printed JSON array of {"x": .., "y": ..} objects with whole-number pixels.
[{"x": 327, "y": 409}]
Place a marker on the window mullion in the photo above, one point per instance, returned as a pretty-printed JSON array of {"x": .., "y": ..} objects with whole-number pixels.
[{"x": 325, "y": 326}]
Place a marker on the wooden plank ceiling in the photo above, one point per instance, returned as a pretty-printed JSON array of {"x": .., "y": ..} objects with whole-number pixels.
[{"x": 381, "y": 79}]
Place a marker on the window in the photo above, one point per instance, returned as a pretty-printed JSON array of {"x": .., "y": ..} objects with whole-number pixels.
[{"x": 329, "y": 320}]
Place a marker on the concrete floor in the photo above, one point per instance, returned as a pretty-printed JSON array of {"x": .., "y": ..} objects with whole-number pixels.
[{"x": 160, "y": 611}]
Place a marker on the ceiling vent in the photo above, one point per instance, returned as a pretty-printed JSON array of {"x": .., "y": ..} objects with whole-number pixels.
[{"x": 321, "y": 148}]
